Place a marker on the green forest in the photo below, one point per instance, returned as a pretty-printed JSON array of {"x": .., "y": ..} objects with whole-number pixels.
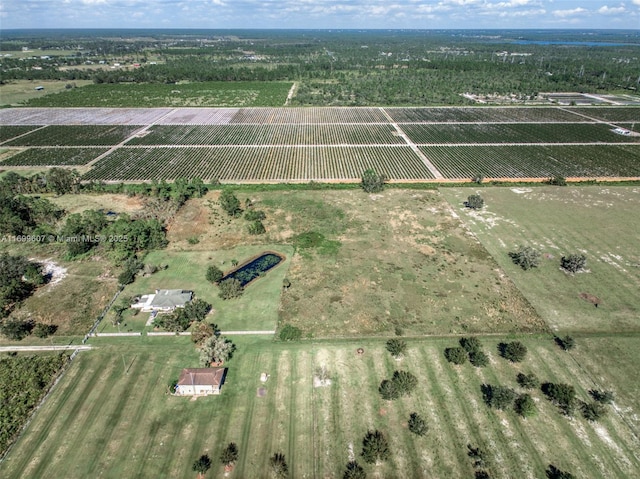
[{"x": 341, "y": 68}]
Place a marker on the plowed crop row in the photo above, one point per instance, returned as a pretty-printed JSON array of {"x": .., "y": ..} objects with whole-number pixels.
[
  {"x": 515, "y": 133},
  {"x": 258, "y": 164},
  {"x": 53, "y": 157},
  {"x": 9, "y": 132},
  {"x": 535, "y": 161},
  {"x": 610, "y": 113},
  {"x": 480, "y": 114},
  {"x": 68, "y": 135},
  {"x": 269, "y": 135},
  {"x": 264, "y": 116}
]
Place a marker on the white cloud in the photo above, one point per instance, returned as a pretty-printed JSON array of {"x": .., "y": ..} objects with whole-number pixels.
[
  {"x": 570, "y": 13},
  {"x": 636, "y": 2},
  {"x": 606, "y": 10}
]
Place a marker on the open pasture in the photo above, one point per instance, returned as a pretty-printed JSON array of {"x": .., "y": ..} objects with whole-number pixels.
[
  {"x": 601, "y": 223},
  {"x": 111, "y": 415}
]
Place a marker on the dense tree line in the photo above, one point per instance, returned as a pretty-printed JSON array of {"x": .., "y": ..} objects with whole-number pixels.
[
  {"x": 400, "y": 68},
  {"x": 23, "y": 381}
]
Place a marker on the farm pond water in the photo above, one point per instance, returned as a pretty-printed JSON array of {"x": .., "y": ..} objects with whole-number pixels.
[{"x": 254, "y": 268}]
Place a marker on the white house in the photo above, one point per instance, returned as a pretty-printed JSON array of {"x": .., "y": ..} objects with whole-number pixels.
[
  {"x": 200, "y": 381},
  {"x": 163, "y": 300}
]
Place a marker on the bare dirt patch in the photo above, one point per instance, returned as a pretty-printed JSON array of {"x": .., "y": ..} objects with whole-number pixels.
[{"x": 591, "y": 298}]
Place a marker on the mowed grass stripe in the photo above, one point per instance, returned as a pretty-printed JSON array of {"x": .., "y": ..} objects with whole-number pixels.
[
  {"x": 301, "y": 440},
  {"x": 328, "y": 432},
  {"x": 438, "y": 437},
  {"x": 45, "y": 421},
  {"x": 445, "y": 404},
  {"x": 398, "y": 411},
  {"x": 123, "y": 398},
  {"x": 78, "y": 416}
]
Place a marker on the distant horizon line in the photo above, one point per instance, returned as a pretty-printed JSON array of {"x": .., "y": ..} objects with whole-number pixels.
[{"x": 333, "y": 28}]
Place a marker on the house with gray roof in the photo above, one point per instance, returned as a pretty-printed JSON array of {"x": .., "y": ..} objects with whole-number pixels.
[{"x": 163, "y": 300}]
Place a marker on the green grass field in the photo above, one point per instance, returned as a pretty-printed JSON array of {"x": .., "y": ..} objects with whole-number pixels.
[
  {"x": 113, "y": 406},
  {"x": 256, "y": 310},
  {"x": 601, "y": 222}
]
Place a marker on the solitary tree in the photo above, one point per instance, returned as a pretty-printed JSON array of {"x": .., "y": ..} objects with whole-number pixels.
[
  {"x": 563, "y": 395},
  {"x": 354, "y": 471},
  {"x": 202, "y": 465},
  {"x": 216, "y": 349},
  {"x": 479, "y": 359},
  {"x": 566, "y": 342},
  {"x": 525, "y": 406},
  {"x": 214, "y": 274},
  {"x": 528, "y": 381},
  {"x": 573, "y": 263},
  {"x": 474, "y": 202},
  {"x": 526, "y": 257},
  {"x": 470, "y": 344},
  {"x": 229, "y": 454},
  {"x": 372, "y": 182},
  {"x": 593, "y": 411},
  {"x": 402, "y": 383},
  {"x": 555, "y": 473},
  {"x": 375, "y": 447},
  {"x": 230, "y": 288},
  {"x": 256, "y": 228},
  {"x": 417, "y": 425},
  {"x": 229, "y": 203},
  {"x": 604, "y": 397},
  {"x": 279, "y": 466},
  {"x": 514, "y": 351},
  {"x": 498, "y": 397},
  {"x": 396, "y": 347},
  {"x": 202, "y": 331},
  {"x": 455, "y": 355}
]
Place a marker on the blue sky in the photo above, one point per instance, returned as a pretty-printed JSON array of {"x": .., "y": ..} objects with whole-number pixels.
[{"x": 427, "y": 14}]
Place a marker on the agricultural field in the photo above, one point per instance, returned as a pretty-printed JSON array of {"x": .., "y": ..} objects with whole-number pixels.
[
  {"x": 40, "y": 157},
  {"x": 530, "y": 162},
  {"x": 326, "y": 144},
  {"x": 205, "y": 94},
  {"x": 67, "y": 135},
  {"x": 113, "y": 405},
  {"x": 599, "y": 222},
  {"x": 18, "y": 92}
]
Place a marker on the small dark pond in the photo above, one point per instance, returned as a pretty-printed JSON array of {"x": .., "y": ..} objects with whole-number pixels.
[{"x": 254, "y": 268}]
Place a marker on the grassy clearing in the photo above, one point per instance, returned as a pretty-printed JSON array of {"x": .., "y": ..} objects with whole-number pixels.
[
  {"x": 86, "y": 426},
  {"x": 206, "y": 94},
  {"x": 20, "y": 91},
  {"x": 600, "y": 222},
  {"x": 257, "y": 309}
]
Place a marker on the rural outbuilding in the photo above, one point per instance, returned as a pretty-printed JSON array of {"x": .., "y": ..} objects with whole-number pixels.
[{"x": 200, "y": 381}]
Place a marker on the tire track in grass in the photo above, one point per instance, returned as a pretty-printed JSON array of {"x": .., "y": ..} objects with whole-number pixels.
[
  {"x": 301, "y": 426},
  {"x": 276, "y": 410},
  {"x": 248, "y": 433},
  {"x": 377, "y": 361},
  {"x": 37, "y": 434},
  {"x": 516, "y": 444},
  {"x": 425, "y": 406},
  {"x": 326, "y": 402},
  {"x": 112, "y": 420},
  {"x": 404, "y": 440},
  {"x": 90, "y": 429},
  {"x": 448, "y": 404},
  {"x": 76, "y": 419}
]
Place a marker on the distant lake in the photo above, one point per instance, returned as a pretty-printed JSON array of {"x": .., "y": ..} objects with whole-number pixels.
[{"x": 582, "y": 44}]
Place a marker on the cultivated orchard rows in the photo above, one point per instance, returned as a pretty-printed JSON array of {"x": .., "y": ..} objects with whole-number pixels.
[{"x": 303, "y": 144}]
